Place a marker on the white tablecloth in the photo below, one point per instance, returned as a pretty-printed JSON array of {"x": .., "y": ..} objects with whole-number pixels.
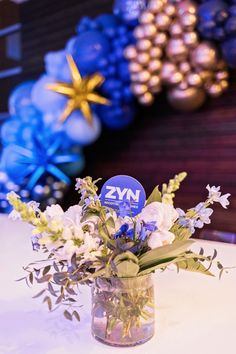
[{"x": 195, "y": 314}]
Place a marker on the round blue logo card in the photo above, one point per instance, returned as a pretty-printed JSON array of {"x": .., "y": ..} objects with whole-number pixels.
[{"x": 124, "y": 194}]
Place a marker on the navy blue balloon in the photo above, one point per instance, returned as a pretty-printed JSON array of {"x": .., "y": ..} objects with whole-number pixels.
[
  {"x": 20, "y": 97},
  {"x": 88, "y": 49},
  {"x": 107, "y": 21},
  {"x": 117, "y": 117},
  {"x": 229, "y": 51},
  {"x": 129, "y": 10}
]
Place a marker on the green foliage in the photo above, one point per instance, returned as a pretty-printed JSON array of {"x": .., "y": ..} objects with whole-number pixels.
[
  {"x": 155, "y": 196},
  {"x": 181, "y": 233},
  {"x": 193, "y": 265},
  {"x": 126, "y": 265}
]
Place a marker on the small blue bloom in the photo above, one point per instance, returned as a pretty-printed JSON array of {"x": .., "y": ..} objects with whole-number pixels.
[{"x": 35, "y": 242}]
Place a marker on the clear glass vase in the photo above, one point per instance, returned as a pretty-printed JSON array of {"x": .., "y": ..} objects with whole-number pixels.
[{"x": 123, "y": 310}]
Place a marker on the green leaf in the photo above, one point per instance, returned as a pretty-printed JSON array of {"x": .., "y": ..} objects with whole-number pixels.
[
  {"x": 181, "y": 233},
  {"x": 153, "y": 257},
  {"x": 110, "y": 222},
  {"x": 76, "y": 315},
  {"x": 46, "y": 269},
  {"x": 104, "y": 234},
  {"x": 126, "y": 256},
  {"x": 44, "y": 279},
  {"x": 127, "y": 269},
  {"x": 49, "y": 302},
  {"x": 155, "y": 196},
  {"x": 192, "y": 265},
  {"x": 39, "y": 294}
]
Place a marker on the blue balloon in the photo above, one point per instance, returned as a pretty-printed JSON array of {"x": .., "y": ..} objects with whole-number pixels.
[
  {"x": 79, "y": 131},
  {"x": 10, "y": 131},
  {"x": 229, "y": 51},
  {"x": 88, "y": 49},
  {"x": 107, "y": 21},
  {"x": 46, "y": 100},
  {"x": 57, "y": 66},
  {"x": 20, "y": 97},
  {"x": 117, "y": 117},
  {"x": 70, "y": 45},
  {"x": 129, "y": 10}
]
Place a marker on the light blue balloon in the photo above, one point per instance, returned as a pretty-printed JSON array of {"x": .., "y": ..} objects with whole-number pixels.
[
  {"x": 46, "y": 100},
  {"x": 70, "y": 45},
  {"x": 20, "y": 97},
  {"x": 57, "y": 66},
  {"x": 79, "y": 131}
]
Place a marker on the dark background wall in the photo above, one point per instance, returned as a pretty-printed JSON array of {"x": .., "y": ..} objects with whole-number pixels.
[{"x": 161, "y": 142}]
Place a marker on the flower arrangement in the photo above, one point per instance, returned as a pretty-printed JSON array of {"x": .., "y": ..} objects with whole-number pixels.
[{"x": 91, "y": 243}]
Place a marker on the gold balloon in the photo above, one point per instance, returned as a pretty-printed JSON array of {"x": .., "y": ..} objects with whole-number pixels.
[
  {"x": 204, "y": 55},
  {"x": 176, "y": 29},
  {"x": 146, "y": 99},
  {"x": 143, "y": 58},
  {"x": 194, "y": 80},
  {"x": 155, "y": 6},
  {"x": 130, "y": 52},
  {"x": 188, "y": 20},
  {"x": 176, "y": 50},
  {"x": 215, "y": 90},
  {"x": 139, "y": 89},
  {"x": 186, "y": 7},
  {"x": 139, "y": 32},
  {"x": 175, "y": 78},
  {"x": 163, "y": 21},
  {"x": 149, "y": 30},
  {"x": 134, "y": 67},
  {"x": 168, "y": 69},
  {"x": 143, "y": 76},
  {"x": 160, "y": 39},
  {"x": 206, "y": 75},
  {"x": 222, "y": 75},
  {"x": 183, "y": 85},
  {"x": 146, "y": 17},
  {"x": 144, "y": 44},
  {"x": 170, "y": 10},
  {"x": 154, "y": 65},
  {"x": 184, "y": 67},
  {"x": 186, "y": 100},
  {"x": 190, "y": 39},
  {"x": 154, "y": 81},
  {"x": 224, "y": 84},
  {"x": 155, "y": 52}
]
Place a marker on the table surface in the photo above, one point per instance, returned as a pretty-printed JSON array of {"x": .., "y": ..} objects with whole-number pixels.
[{"x": 195, "y": 313}]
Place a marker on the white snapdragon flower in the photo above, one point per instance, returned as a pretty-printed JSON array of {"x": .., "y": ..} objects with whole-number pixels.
[
  {"x": 164, "y": 215},
  {"x": 215, "y": 196}
]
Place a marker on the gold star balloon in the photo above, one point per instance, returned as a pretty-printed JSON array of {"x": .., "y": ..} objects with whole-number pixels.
[{"x": 81, "y": 92}]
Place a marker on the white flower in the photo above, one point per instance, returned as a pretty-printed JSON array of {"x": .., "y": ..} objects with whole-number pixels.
[
  {"x": 164, "y": 216},
  {"x": 215, "y": 196},
  {"x": 54, "y": 211}
]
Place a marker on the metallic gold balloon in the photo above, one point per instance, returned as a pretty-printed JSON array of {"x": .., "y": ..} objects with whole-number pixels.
[
  {"x": 190, "y": 39},
  {"x": 144, "y": 44},
  {"x": 186, "y": 100},
  {"x": 186, "y": 7},
  {"x": 155, "y": 52},
  {"x": 176, "y": 50},
  {"x": 188, "y": 20},
  {"x": 134, "y": 67},
  {"x": 167, "y": 70},
  {"x": 224, "y": 84},
  {"x": 146, "y": 99},
  {"x": 143, "y": 58},
  {"x": 149, "y": 30},
  {"x": 204, "y": 55},
  {"x": 222, "y": 75},
  {"x": 162, "y": 21},
  {"x": 160, "y": 39},
  {"x": 130, "y": 52},
  {"x": 194, "y": 79},
  {"x": 175, "y": 78},
  {"x": 176, "y": 29},
  {"x": 215, "y": 90},
  {"x": 139, "y": 32},
  {"x": 154, "y": 65},
  {"x": 143, "y": 76},
  {"x": 170, "y": 10},
  {"x": 184, "y": 67},
  {"x": 139, "y": 89},
  {"x": 154, "y": 81},
  {"x": 155, "y": 6},
  {"x": 206, "y": 75},
  {"x": 146, "y": 17}
]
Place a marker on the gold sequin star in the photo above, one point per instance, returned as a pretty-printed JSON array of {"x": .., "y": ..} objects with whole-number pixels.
[{"x": 81, "y": 92}]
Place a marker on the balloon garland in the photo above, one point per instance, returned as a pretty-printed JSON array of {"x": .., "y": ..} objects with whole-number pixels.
[{"x": 112, "y": 61}]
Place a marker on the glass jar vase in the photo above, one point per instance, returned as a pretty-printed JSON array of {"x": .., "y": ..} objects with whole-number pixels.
[{"x": 123, "y": 310}]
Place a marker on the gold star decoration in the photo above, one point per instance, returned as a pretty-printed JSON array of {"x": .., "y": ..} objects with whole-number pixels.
[{"x": 81, "y": 92}]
